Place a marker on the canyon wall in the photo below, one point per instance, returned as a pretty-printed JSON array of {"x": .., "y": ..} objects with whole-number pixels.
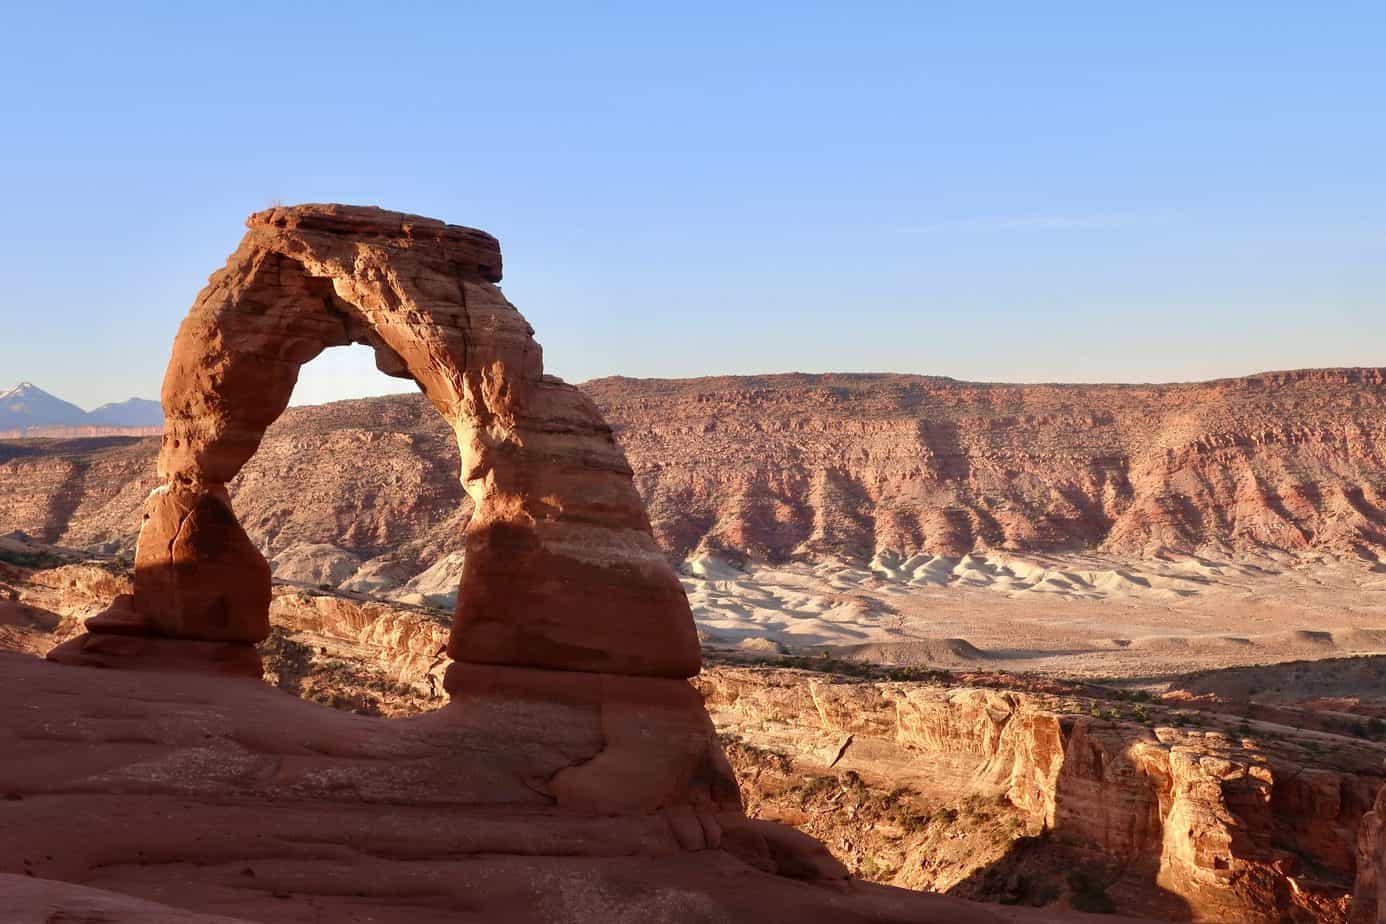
[
  {"x": 1186, "y": 816},
  {"x": 779, "y": 465},
  {"x": 772, "y": 467}
]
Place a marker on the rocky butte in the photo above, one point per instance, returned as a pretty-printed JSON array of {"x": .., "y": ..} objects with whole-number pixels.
[{"x": 574, "y": 774}]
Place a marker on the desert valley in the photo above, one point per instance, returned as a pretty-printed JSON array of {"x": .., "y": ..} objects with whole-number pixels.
[
  {"x": 1083, "y": 649},
  {"x": 718, "y": 463}
]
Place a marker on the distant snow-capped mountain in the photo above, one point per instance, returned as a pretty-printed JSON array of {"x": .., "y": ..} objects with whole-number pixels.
[{"x": 27, "y": 405}]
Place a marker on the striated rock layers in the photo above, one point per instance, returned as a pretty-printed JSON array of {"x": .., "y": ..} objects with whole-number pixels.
[
  {"x": 561, "y": 570},
  {"x": 1188, "y": 817},
  {"x": 224, "y": 797},
  {"x": 810, "y": 465},
  {"x": 774, "y": 466}
]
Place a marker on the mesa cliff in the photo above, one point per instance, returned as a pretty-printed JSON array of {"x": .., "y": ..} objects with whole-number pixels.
[
  {"x": 851, "y": 464},
  {"x": 778, "y": 466}
]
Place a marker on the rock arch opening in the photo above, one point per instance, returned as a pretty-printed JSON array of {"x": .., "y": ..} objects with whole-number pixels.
[{"x": 561, "y": 570}]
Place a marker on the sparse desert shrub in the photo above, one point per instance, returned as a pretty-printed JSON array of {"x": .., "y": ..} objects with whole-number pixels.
[
  {"x": 910, "y": 821},
  {"x": 1087, "y": 894},
  {"x": 813, "y": 786},
  {"x": 945, "y": 815},
  {"x": 38, "y": 560}
]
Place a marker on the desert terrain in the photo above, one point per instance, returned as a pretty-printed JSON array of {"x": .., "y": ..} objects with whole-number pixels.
[
  {"x": 965, "y": 661},
  {"x": 1076, "y": 531}
]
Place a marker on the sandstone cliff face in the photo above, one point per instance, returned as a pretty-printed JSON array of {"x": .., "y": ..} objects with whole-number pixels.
[
  {"x": 1368, "y": 904},
  {"x": 39, "y": 609},
  {"x": 845, "y": 465},
  {"x": 1211, "y": 822},
  {"x": 779, "y": 465},
  {"x": 82, "y": 492},
  {"x": 406, "y": 646}
]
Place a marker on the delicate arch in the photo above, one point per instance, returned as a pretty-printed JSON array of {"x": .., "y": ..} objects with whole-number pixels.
[{"x": 561, "y": 570}]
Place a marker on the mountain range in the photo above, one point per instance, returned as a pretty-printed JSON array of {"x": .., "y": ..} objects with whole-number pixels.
[
  {"x": 26, "y": 405},
  {"x": 779, "y": 467}
]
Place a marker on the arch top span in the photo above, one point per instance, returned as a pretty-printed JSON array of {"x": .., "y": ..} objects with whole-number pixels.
[{"x": 561, "y": 571}]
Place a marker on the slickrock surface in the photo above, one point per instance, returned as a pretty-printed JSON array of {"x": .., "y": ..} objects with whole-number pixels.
[
  {"x": 224, "y": 796},
  {"x": 28, "y": 900}
]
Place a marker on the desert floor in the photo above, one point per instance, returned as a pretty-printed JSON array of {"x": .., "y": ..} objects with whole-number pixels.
[{"x": 1071, "y": 615}]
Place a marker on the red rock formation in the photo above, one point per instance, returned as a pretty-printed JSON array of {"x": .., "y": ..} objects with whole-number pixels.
[
  {"x": 842, "y": 465},
  {"x": 561, "y": 569},
  {"x": 220, "y": 796},
  {"x": 1216, "y": 824},
  {"x": 1368, "y": 902},
  {"x": 774, "y": 466}
]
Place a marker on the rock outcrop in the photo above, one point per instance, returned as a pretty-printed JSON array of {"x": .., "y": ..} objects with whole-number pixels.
[
  {"x": 989, "y": 793},
  {"x": 1188, "y": 815},
  {"x": 561, "y": 570},
  {"x": 571, "y": 730},
  {"x": 1368, "y": 902},
  {"x": 227, "y": 798},
  {"x": 774, "y": 466}
]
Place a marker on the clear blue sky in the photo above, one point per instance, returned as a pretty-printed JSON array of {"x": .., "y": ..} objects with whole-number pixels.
[{"x": 1025, "y": 191}]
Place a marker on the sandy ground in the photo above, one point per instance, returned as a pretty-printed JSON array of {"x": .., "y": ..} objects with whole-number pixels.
[{"x": 1071, "y": 615}]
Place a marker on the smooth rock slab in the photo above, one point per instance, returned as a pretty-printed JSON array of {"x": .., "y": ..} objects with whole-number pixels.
[{"x": 225, "y": 797}]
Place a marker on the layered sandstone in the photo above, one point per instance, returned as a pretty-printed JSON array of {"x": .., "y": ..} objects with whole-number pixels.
[
  {"x": 992, "y": 791},
  {"x": 561, "y": 571},
  {"x": 781, "y": 465},
  {"x": 1368, "y": 900},
  {"x": 569, "y": 621},
  {"x": 226, "y": 797},
  {"x": 839, "y": 465},
  {"x": 1187, "y": 815}
]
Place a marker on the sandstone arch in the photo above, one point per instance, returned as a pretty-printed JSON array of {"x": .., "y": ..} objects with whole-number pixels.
[{"x": 561, "y": 569}]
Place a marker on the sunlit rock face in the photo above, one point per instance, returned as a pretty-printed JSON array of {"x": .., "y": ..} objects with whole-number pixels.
[{"x": 561, "y": 570}]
